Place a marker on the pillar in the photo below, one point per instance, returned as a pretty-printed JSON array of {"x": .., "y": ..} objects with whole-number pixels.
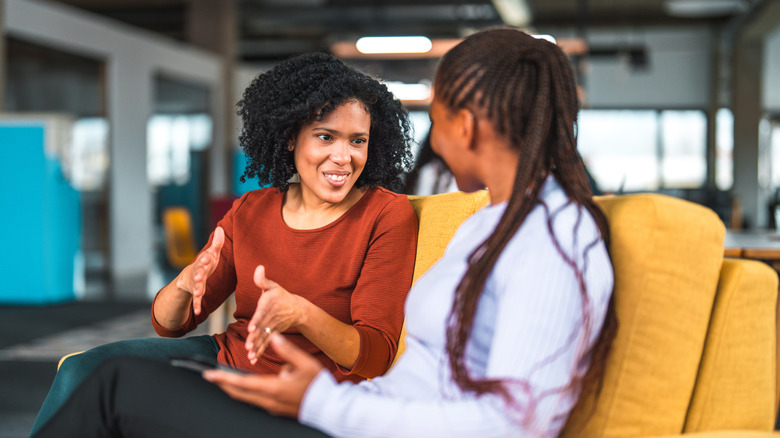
[
  {"x": 750, "y": 186},
  {"x": 130, "y": 203}
]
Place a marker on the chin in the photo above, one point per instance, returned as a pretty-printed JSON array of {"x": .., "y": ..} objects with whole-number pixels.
[
  {"x": 335, "y": 197},
  {"x": 468, "y": 186}
]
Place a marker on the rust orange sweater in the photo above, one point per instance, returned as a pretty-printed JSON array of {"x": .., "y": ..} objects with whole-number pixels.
[{"x": 357, "y": 268}]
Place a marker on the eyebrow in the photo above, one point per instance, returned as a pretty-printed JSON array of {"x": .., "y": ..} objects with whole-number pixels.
[{"x": 337, "y": 132}]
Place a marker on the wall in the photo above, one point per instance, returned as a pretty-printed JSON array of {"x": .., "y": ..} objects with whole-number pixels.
[{"x": 676, "y": 74}]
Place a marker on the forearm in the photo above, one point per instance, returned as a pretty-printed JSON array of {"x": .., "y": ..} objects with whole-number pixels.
[
  {"x": 172, "y": 305},
  {"x": 339, "y": 341},
  {"x": 347, "y": 410}
]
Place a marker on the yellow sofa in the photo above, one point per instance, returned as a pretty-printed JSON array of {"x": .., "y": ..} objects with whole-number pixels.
[
  {"x": 695, "y": 354},
  {"x": 696, "y": 349}
]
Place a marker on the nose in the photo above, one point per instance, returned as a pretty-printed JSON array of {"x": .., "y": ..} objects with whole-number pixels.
[{"x": 340, "y": 154}]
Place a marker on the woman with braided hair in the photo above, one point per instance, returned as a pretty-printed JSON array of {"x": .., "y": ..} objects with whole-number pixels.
[{"x": 503, "y": 332}]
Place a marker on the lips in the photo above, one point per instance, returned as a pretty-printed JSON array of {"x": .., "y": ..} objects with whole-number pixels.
[{"x": 336, "y": 179}]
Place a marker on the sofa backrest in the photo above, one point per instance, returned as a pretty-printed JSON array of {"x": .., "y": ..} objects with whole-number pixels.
[
  {"x": 439, "y": 217},
  {"x": 667, "y": 255}
]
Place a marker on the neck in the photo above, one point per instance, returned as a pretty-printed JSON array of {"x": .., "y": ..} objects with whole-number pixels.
[
  {"x": 303, "y": 210},
  {"x": 499, "y": 168}
]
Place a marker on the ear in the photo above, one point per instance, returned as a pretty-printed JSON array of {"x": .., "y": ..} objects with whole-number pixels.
[{"x": 466, "y": 124}]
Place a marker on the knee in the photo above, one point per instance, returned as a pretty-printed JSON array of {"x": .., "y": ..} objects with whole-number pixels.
[{"x": 74, "y": 369}]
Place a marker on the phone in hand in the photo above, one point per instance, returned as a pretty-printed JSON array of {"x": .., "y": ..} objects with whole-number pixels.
[{"x": 200, "y": 364}]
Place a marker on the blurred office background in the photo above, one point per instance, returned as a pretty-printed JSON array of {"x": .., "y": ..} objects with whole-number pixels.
[
  {"x": 118, "y": 125},
  {"x": 135, "y": 102}
]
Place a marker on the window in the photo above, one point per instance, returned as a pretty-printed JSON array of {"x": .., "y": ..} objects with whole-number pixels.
[
  {"x": 634, "y": 150},
  {"x": 771, "y": 134},
  {"x": 170, "y": 139},
  {"x": 724, "y": 149}
]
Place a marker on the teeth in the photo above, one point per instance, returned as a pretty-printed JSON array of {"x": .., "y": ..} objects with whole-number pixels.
[{"x": 337, "y": 177}]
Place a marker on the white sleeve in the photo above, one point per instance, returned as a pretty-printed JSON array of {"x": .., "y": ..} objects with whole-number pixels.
[
  {"x": 345, "y": 410},
  {"x": 537, "y": 328}
]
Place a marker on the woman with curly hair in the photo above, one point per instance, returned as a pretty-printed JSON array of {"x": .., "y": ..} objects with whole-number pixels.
[
  {"x": 323, "y": 257},
  {"x": 503, "y": 332}
]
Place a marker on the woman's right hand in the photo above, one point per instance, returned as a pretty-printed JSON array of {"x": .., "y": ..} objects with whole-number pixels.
[{"x": 193, "y": 278}]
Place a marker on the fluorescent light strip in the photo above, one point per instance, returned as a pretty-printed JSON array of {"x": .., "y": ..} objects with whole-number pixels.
[
  {"x": 409, "y": 44},
  {"x": 404, "y": 91}
]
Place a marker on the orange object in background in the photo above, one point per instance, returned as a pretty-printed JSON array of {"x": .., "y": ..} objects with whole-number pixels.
[{"x": 180, "y": 247}]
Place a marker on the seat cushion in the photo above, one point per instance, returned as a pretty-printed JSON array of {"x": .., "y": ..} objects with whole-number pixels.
[
  {"x": 667, "y": 255},
  {"x": 736, "y": 383}
]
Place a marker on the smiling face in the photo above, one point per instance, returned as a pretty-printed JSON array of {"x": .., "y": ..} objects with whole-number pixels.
[{"x": 330, "y": 154}]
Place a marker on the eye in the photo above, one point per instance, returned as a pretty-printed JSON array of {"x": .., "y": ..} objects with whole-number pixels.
[
  {"x": 360, "y": 141},
  {"x": 325, "y": 137}
]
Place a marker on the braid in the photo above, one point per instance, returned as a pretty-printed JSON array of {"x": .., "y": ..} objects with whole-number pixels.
[{"x": 525, "y": 87}]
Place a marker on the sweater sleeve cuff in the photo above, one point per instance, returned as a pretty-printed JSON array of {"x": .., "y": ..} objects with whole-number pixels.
[
  {"x": 375, "y": 356},
  {"x": 170, "y": 333}
]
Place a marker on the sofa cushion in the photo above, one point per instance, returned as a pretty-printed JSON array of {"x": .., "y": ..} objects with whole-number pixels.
[
  {"x": 736, "y": 383},
  {"x": 667, "y": 255}
]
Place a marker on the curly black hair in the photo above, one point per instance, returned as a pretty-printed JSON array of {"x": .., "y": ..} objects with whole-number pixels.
[{"x": 300, "y": 90}]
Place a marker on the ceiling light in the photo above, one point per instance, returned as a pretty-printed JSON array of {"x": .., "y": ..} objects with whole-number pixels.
[
  {"x": 407, "y": 44},
  {"x": 703, "y": 8},
  {"x": 513, "y": 12},
  {"x": 409, "y": 92},
  {"x": 348, "y": 50}
]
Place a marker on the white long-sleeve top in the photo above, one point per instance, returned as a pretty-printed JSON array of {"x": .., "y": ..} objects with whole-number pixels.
[{"x": 528, "y": 329}]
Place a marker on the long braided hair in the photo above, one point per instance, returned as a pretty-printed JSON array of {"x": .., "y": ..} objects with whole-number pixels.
[{"x": 525, "y": 87}]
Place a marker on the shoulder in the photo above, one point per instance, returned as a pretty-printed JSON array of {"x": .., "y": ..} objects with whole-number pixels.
[
  {"x": 389, "y": 207},
  {"x": 557, "y": 234},
  {"x": 382, "y": 199},
  {"x": 255, "y": 199}
]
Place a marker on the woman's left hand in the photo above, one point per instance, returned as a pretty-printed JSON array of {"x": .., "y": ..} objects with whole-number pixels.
[
  {"x": 280, "y": 394},
  {"x": 277, "y": 310}
]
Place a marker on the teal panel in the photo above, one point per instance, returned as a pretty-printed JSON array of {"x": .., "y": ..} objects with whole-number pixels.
[
  {"x": 41, "y": 220},
  {"x": 240, "y": 161}
]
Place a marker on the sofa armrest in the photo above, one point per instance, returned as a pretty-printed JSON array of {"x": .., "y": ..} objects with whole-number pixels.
[{"x": 59, "y": 364}]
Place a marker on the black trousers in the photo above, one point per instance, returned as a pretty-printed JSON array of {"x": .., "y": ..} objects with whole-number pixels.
[{"x": 135, "y": 397}]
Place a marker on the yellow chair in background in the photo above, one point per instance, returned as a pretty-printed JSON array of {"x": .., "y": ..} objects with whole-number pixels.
[{"x": 180, "y": 248}]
